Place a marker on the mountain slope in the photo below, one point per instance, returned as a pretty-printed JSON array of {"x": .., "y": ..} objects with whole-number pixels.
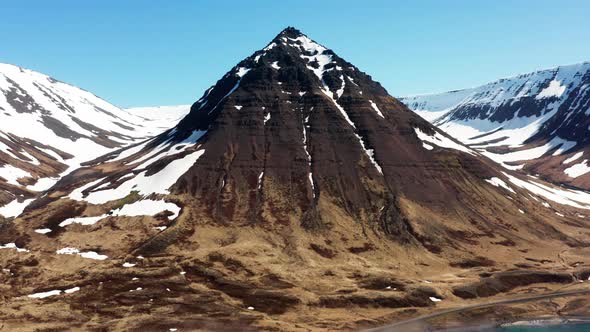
[
  {"x": 160, "y": 118},
  {"x": 537, "y": 121},
  {"x": 295, "y": 190},
  {"x": 48, "y": 128}
]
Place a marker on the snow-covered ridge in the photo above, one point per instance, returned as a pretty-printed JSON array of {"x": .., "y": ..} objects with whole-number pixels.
[
  {"x": 553, "y": 82},
  {"x": 531, "y": 116},
  {"x": 433, "y": 106},
  {"x": 49, "y": 128}
]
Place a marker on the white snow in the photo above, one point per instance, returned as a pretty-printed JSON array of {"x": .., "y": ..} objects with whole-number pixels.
[
  {"x": 14, "y": 208},
  {"x": 370, "y": 153},
  {"x": 43, "y": 230},
  {"x": 574, "y": 157},
  {"x": 260, "y": 176},
  {"x": 577, "y": 199},
  {"x": 266, "y": 117},
  {"x": 238, "y": 107},
  {"x": 85, "y": 254},
  {"x": 430, "y": 116},
  {"x": 157, "y": 183},
  {"x": 533, "y": 153},
  {"x": 160, "y": 118},
  {"x": 11, "y": 174},
  {"x": 269, "y": 47},
  {"x": 322, "y": 60},
  {"x": 168, "y": 149},
  {"x": 66, "y": 103},
  {"x": 479, "y": 131},
  {"x": 578, "y": 169},
  {"x": 147, "y": 207},
  {"x": 376, "y": 108},
  {"x": 13, "y": 246},
  {"x": 43, "y": 184},
  {"x": 442, "y": 141},
  {"x": 554, "y": 89},
  {"x": 318, "y": 56},
  {"x": 242, "y": 71},
  {"x": 72, "y": 290},
  {"x": 310, "y": 178},
  {"x": 33, "y": 161},
  {"x": 275, "y": 65},
  {"x": 86, "y": 221},
  {"x": 330, "y": 95},
  {"x": 499, "y": 183},
  {"x": 127, "y": 264},
  {"x": 340, "y": 91},
  {"x": 43, "y": 295},
  {"x": 93, "y": 255},
  {"x": 434, "y": 299},
  {"x": 439, "y": 103}
]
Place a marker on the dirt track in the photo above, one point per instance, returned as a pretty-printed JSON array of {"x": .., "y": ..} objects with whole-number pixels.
[{"x": 419, "y": 321}]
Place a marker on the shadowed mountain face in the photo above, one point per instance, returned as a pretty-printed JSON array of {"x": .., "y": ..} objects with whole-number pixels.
[
  {"x": 537, "y": 122},
  {"x": 296, "y": 184}
]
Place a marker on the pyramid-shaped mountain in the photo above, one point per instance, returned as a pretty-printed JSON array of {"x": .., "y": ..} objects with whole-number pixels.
[
  {"x": 295, "y": 125},
  {"x": 295, "y": 185}
]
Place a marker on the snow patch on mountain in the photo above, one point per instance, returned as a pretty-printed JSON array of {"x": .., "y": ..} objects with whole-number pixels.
[
  {"x": 497, "y": 182},
  {"x": 14, "y": 208},
  {"x": 578, "y": 169},
  {"x": 440, "y": 140},
  {"x": 555, "y": 89},
  {"x": 573, "y": 158},
  {"x": 575, "y": 198},
  {"x": 560, "y": 146},
  {"x": 157, "y": 183}
]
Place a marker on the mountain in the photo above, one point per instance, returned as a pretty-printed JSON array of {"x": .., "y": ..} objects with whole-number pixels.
[
  {"x": 48, "y": 128},
  {"x": 295, "y": 191},
  {"x": 161, "y": 118},
  {"x": 538, "y": 122}
]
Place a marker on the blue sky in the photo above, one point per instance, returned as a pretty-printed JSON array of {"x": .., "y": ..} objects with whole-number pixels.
[{"x": 144, "y": 53}]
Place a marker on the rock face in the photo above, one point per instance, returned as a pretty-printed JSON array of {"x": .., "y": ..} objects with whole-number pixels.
[
  {"x": 295, "y": 183},
  {"x": 294, "y": 123},
  {"x": 537, "y": 121},
  {"x": 48, "y": 127}
]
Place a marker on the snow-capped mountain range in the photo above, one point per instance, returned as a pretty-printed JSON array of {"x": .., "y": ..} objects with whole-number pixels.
[
  {"x": 538, "y": 122},
  {"x": 48, "y": 128}
]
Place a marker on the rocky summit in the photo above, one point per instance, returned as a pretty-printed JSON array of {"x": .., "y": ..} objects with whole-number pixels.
[{"x": 296, "y": 191}]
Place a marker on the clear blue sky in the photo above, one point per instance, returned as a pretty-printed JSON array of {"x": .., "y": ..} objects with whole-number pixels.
[{"x": 143, "y": 53}]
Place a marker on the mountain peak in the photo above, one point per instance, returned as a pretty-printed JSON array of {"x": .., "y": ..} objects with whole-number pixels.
[{"x": 290, "y": 32}]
